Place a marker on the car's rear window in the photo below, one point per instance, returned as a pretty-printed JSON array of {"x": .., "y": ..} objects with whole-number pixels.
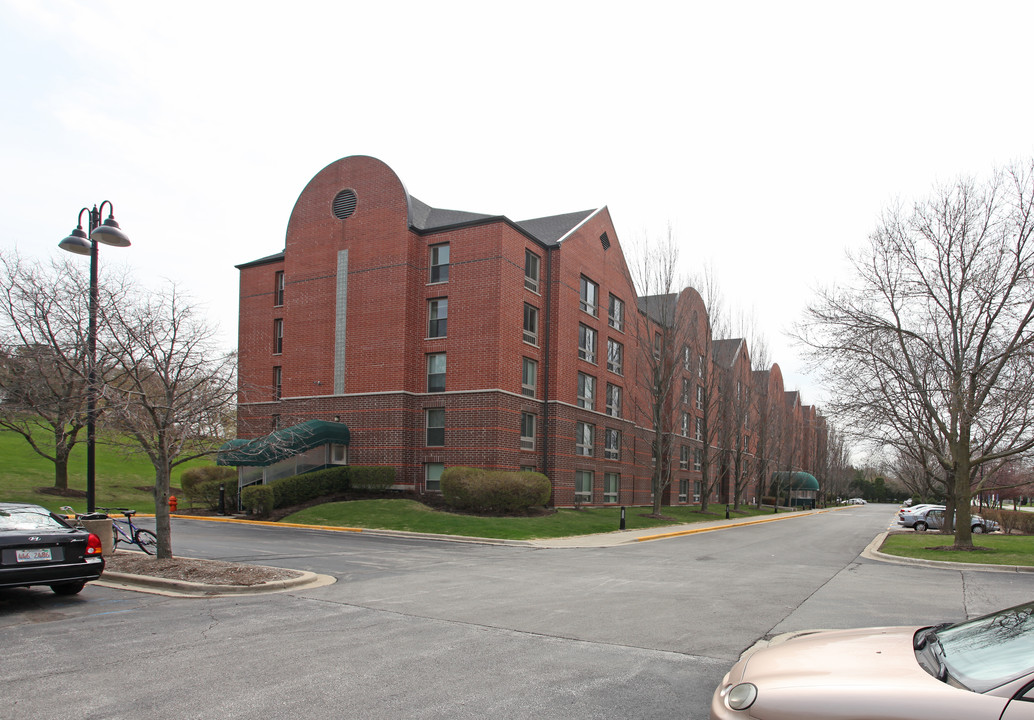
[{"x": 28, "y": 519}]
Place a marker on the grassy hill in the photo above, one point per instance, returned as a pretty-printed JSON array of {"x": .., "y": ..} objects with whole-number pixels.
[{"x": 122, "y": 480}]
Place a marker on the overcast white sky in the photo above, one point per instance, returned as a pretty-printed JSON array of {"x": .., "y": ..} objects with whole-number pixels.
[{"x": 769, "y": 134}]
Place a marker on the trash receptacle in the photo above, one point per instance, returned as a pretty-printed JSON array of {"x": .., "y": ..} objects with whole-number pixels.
[{"x": 101, "y": 527}]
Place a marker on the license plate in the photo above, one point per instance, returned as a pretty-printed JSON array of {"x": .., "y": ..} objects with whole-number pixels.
[{"x": 36, "y": 555}]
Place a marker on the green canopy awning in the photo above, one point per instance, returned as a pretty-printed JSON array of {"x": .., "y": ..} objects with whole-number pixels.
[
  {"x": 797, "y": 480},
  {"x": 283, "y": 443}
]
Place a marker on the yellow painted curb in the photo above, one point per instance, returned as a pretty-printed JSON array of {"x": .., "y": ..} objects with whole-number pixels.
[{"x": 266, "y": 522}]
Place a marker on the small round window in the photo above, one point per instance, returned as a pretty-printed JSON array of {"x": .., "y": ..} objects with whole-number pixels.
[{"x": 344, "y": 204}]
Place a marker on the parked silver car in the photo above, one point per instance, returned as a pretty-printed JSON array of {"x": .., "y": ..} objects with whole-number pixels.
[
  {"x": 907, "y": 516},
  {"x": 933, "y": 519}
]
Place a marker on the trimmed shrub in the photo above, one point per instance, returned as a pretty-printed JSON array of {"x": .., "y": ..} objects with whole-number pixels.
[
  {"x": 207, "y": 493},
  {"x": 373, "y": 478},
  {"x": 1012, "y": 521},
  {"x": 257, "y": 500},
  {"x": 192, "y": 478},
  {"x": 299, "y": 489},
  {"x": 494, "y": 491}
]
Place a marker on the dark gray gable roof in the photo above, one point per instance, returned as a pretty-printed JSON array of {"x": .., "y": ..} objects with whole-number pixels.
[
  {"x": 551, "y": 229},
  {"x": 659, "y": 308},
  {"x": 262, "y": 261},
  {"x": 725, "y": 351},
  {"x": 424, "y": 217},
  {"x": 547, "y": 230}
]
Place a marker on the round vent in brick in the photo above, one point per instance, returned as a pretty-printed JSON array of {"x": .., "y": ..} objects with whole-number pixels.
[{"x": 344, "y": 204}]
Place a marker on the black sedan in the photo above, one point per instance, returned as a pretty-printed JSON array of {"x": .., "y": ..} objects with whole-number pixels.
[{"x": 38, "y": 547}]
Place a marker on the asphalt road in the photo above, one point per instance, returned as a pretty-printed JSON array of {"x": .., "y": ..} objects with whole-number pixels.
[{"x": 426, "y": 629}]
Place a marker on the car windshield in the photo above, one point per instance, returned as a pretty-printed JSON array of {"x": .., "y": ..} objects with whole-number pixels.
[
  {"x": 29, "y": 519},
  {"x": 984, "y": 653}
]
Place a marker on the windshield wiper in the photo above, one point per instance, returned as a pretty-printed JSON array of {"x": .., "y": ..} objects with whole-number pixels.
[{"x": 930, "y": 633}]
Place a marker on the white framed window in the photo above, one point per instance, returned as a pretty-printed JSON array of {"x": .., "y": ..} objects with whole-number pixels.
[
  {"x": 612, "y": 444},
  {"x": 531, "y": 270},
  {"x": 527, "y": 431},
  {"x": 586, "y": 343},
  {"x": 440, "y": 263},
  {"x": 683, "y": 491},
  {"x": 700, "y": 366},
  {"x": 611, "y": 483},
  {"x": 438, "y": 317},
  {"x": 531, "y": 324},
  {"x": 616, "y": 313},
  {"x": 589, "y": 295},
  {"x": 700, "y": 397},
  {"x": 583, "y": 480},
  {"x": 685, "y": 391},
  {"x": 586, "y": 391},
  {"x": 685, "y": 424},
  {"x": 583, "y": 439},
  {"x": 433, "y": 476},
  {"x": 529, "y": 376},
  {"x": 698, "y": 490},
  {"x": 615, "y": 356},
  {"x": 278, "y": 336},
  {"x": 686, "y": 364},
  {"x": 698, "y": 460},
  {"x": 338, "y": 454},
  {"x": 613, "y": 400},
  {"x": 436, "y": 372},
  {"x": 278, "y": 288},
  {"x": 698, "y": 429},
  {"x": 435, "y": 424},
  {"x": 684, "y": 458}
]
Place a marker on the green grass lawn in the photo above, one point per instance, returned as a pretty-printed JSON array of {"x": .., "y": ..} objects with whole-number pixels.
[
  {"x": 996, "y": 549},
  {"x": 413, "y": 516},
  {"x": 122, "y": 479}
]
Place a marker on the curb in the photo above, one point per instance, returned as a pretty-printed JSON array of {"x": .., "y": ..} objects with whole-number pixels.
[
  {"x": 186, "y": 588},
  {"x": 872, "y": 552}
]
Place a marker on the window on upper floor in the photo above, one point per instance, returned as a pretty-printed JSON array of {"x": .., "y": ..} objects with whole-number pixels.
[
  {"x": 612, "y": 444},
  {"x": 440, "y": 263},
  {"x": 435, "y": 424},
  {"x": 527, "y": 431},
  {"x": 684, "y": 457},
  {"x": 436, "y": 372},
  {"x": 685, "y": 390},
  {"x": 586, "y": 343},
  {"x": 531, "y": 270},
  {"x": 278, "y": 382},
  {"x": 529, "y": 376},
  {"x": 278, "y": 288},
  {"x": 700, "y": 397},
  {"x": 589, "y": 295},
  {"x": 616, "y": 313},
  {"x": 586, "y": 391},
  {"x": 278, "y": 336},
  {"x": 613, "y": 400},
  {"x": 615, "y": 356},
  {"x": 438, "y": 317},
  {"x": 583, "y": 439},
  {"x": 698, "y": 431},
  {"x": 531, "y": 324}
]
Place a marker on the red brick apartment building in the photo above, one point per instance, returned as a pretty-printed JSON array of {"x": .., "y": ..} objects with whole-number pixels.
[{"x": 441, "y": 338}]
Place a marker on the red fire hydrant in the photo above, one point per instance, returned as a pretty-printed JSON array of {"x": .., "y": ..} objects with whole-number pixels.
[{"x": 172, "y": 503}]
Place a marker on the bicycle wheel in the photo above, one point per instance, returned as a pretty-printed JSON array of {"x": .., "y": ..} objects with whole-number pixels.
[
  {"x": 116, "y": 535},
  {"x": 146, "y": 541}
]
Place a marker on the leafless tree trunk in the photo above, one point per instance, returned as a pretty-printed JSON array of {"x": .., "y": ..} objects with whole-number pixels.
[
  {"x": 939, "y": 323},
  {"x": 662, "y": 326},
  {"x": 174, "y": 392}
]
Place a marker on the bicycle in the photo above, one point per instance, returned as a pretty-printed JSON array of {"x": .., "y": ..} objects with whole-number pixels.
[{"x": 141, "y": 537}]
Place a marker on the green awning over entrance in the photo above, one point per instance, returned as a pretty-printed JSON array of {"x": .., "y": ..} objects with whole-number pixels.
[
  {"x": 283, "y": 443},
  {"x": 797, "y": 480}
]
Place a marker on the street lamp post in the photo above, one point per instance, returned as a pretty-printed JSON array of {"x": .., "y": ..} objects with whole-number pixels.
[{"x": 77, "y": 242}]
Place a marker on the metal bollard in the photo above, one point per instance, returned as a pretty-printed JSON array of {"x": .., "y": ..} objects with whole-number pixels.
[
  {"x": 222, "y": 499},
  {"x": 622, "y": 526}
]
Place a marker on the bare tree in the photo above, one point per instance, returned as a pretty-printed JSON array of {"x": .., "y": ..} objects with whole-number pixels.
[
  {"x": 940, "y": 323},
  {"x": 43, "y": 354},
  {"x": 174, "y": 392},
  {"x": 663, "y": 327}
]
